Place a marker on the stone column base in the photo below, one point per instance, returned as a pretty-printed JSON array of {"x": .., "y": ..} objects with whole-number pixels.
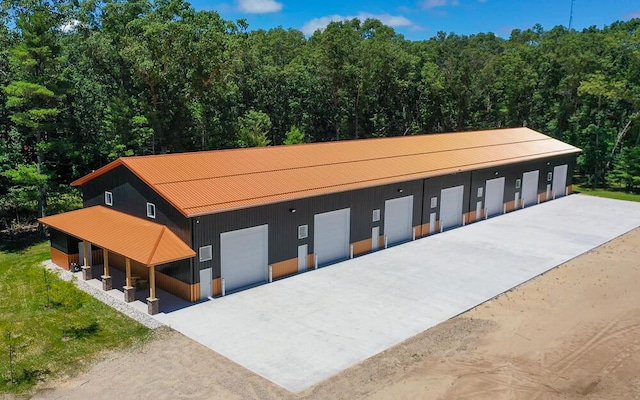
[
  {"x": 106, "y": 283},
  {"x": 86, "y": 273},
  {"x": 129, "y": 294},
  {"x": 153, "y": 306}
]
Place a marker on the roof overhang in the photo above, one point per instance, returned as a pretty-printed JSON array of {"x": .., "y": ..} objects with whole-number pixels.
[{"x": 144, "y": 241}]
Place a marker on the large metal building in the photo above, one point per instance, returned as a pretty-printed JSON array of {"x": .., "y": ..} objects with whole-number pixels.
[{"x": 208, "y": 223}]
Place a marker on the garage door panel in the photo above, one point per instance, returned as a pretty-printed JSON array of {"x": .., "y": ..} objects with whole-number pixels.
[
  {"x": 398, "y": 215},
  {"x": 451, "y": 207},
  {"x": 494, "y": 196},
  {"x": 331, "y": 235},
  {"x": 560, "y": 180},
  {"x": 244, "y": 256},
  {"x": 530, "y": 187}
]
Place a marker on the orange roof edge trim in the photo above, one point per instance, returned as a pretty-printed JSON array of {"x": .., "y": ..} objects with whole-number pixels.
[{"x": 98, "y": 172}]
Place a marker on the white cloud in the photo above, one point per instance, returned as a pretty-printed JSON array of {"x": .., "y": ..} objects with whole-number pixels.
[
  {"x": 259, "y": 6},
  {"x": 394, "y": 21},
  {"x": 69, "y": 26},
  {"x": 439, "y": 3}
]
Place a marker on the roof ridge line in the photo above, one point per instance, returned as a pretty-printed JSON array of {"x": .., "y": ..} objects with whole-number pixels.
[
  {"x": 351, "y": 161},
  {"x": 328, "y": 142}
]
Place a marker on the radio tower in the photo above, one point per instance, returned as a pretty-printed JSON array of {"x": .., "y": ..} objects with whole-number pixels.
[{"x": 571, "y": 15}]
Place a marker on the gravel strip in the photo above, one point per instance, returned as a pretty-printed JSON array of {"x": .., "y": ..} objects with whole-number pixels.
[{"x": 142, "y": 317}]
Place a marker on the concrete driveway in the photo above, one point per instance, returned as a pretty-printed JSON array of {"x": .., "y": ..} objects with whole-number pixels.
[{"x": 299, "y": 331}]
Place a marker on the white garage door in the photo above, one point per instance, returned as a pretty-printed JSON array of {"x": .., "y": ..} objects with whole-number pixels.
[
  {"x": 244, "y": 256},
  {"x": 530, "y": 188},
  {"x": 331, "y": 235},
  {"x": 559, "y": 180},
  {"x": 494, "y": 196},
  {"x": 451, "y": 207},
  {"x": 398, "y": 214}
]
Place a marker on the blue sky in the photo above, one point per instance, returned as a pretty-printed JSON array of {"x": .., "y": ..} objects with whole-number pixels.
[{"x": 422, "y": 19}]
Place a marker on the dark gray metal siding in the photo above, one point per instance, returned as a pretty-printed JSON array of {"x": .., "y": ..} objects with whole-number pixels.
[
  {"x": 512, "y": 172},
  {"x": 130, "y": 195},
  {"x": 283, "y": 224}
]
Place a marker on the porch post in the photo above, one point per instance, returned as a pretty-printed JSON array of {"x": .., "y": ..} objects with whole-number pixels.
[
  {"x": 152, "y": 301},
  {"x": 86, "y": 268},
  {"x": 106, "y": 278},
  {"x": 129, "y": 291}
]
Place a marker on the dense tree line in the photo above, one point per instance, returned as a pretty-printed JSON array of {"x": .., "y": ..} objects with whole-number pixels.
[{"x": 86, "y": 82}]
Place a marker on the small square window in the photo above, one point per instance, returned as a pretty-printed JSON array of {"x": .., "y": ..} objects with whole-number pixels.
[
  {"x": 303, "y": 231},
  {"x": 108, "y": 198},
  {"x": 518, "y": 183},
  {"x": 376, "y": 215},
  {"x": 151, "y": 210},
  {"x": 549, "y": 176},
  {"x": 434, "y": 202},
  {"x": 206, "y": 253},
  {"x": 480, "y": 191}
]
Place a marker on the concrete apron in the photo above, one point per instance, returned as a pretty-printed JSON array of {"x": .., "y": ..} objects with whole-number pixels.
[{"x": 302, "y": 330}]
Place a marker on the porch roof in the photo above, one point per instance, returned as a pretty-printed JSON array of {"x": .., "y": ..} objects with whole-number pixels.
[{"x": 146, "y": 242}]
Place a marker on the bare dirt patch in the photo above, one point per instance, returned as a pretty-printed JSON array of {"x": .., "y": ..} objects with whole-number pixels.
[{"x": 573, "y": 333}]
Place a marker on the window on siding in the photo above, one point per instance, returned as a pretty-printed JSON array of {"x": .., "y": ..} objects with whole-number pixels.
[
  {"x": 480, "y": 191},
  {"x": 303, "y": 231},
  {"x": 206, "y": 253},
  {"x": 549, "y": 176},
  {"x": 151, "y": 210},
  {"x": 434, "y": 202},
  {"x": 376, "y": 215},
  {"x": 108, "y": 198},
  {"x": 518, "y": 183}
]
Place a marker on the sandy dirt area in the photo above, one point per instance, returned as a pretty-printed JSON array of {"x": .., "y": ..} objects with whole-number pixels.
[{"x": 572, "y": 333}]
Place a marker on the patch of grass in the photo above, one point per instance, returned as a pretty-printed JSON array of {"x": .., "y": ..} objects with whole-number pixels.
[
  {"x": 609, "y": 194},
  {"x": 48, "y": 327}
]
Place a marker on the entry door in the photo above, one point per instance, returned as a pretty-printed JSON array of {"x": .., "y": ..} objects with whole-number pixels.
[
  {"x": 205, "y": 283},
  {"x": 451, "y": 207},
  {"x": 375, "y": 238},
  {"x": 432, "y": 223},
  {"x": 302, "y": 257},
  {"x": 398, "y": 215},
  {"x": 244, "y": 256},
  {"x": 530, "y": 188},
  {"x": 559, "y": 180},
  {"x": 494, "y": 196},
  {"x": 331, "y": 235},
  {"x": 81, "y": 253}
]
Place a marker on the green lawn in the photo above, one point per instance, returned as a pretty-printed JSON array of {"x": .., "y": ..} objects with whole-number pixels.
[
  {"x": 610, "y": 194},
  {"x": 51, "y": 327}
]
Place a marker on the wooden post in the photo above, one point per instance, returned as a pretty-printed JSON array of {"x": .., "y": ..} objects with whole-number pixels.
[
  {"x": 105, "y": 255},
  {"x": 86, "y": 268},
  {"x": 86, "y": 253},
  {"x": 153, "y": 304},
  {"x": 152, "y": 281},
  {"x": 128, "y": 270},
  {"x": 107, "y": 283}
]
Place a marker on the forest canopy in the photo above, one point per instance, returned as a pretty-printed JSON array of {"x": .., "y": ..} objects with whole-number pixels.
[{"x": 83, "y": 83}]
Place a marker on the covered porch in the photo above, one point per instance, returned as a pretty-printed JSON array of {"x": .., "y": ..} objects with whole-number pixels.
[{"x": 139, "y": 243}]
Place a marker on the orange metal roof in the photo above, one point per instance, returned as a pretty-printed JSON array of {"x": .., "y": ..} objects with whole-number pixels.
[
  {"x": 213, "y": 181},
  {"x": 144, "y": 241}
]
